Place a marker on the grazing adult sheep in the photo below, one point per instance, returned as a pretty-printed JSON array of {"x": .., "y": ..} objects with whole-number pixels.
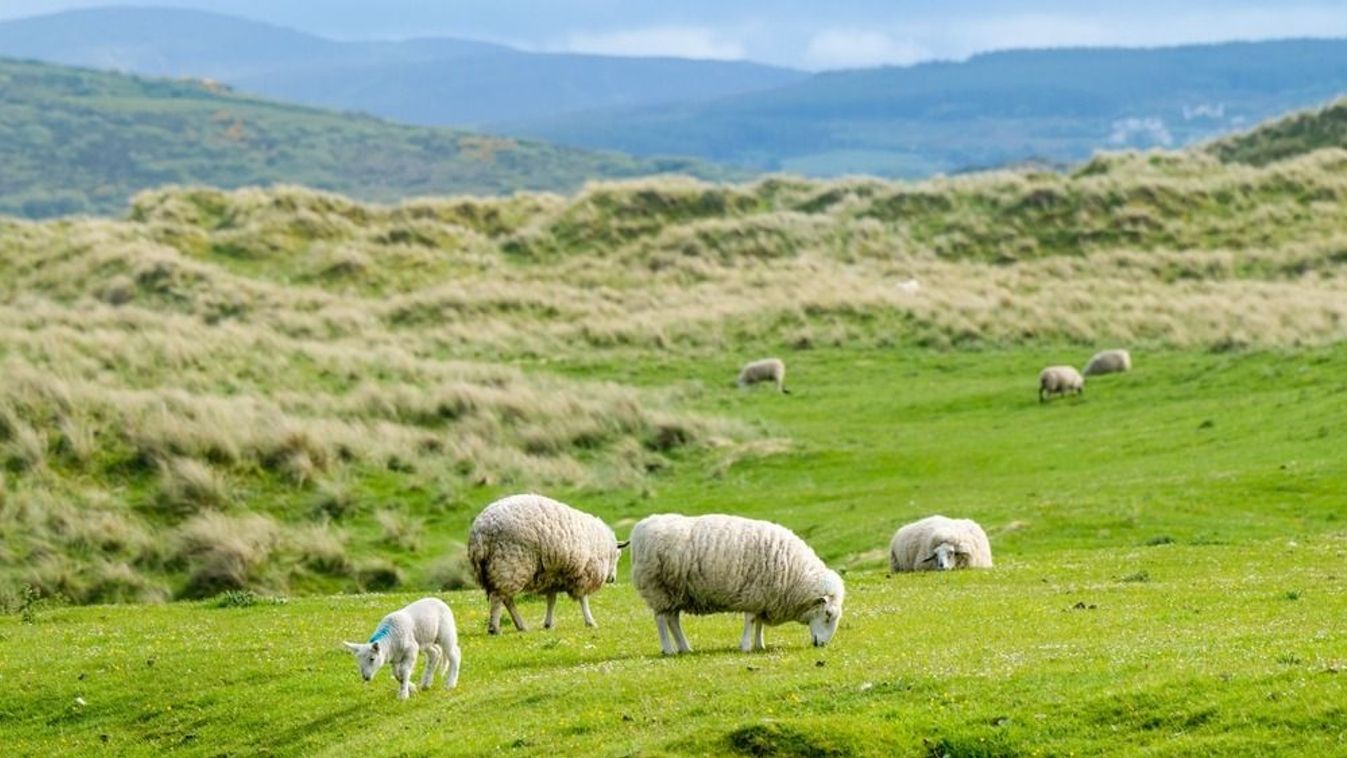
[
  {"x": 719, "y": 564},
  {"x": 765, "y": 370},
  {"x": 1109, "y": 362},
  {"x": 937, "y": 543},
  {"x": 426, "y": 624},
  {"x": 1059, "y": 380},
  {"x": 530, "y": 543}
]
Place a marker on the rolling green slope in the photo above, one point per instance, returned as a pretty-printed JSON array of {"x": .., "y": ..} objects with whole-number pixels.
[
  {"x": 1296, "y": 134},
  {"x": 79, "y": 141}
]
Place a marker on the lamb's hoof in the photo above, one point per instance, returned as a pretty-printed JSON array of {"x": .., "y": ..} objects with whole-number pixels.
[
  {"x": 547, "y": 626},
  {"x": 493, "y": 632}
]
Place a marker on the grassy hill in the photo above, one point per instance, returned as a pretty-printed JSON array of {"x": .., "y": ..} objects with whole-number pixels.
[
  {"x": 79, "y": 141},
  {"x": 237, "y": 397},
  {"x": 993, "y": 109},
  {"x": 1296, "y": 134},
  {"x": 430, "y": 81}
]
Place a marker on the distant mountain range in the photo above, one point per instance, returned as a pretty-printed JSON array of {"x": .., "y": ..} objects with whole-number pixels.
[
  {"x": 423, "y": 81},
  {"x": 81, "y": 141}
]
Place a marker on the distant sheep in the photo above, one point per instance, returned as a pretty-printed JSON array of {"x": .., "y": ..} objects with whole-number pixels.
[
  {"x": 765, "y": 370},
  {"x": 530, "y": 543},
  {"x": 425, "y": 624},
  {"x": 1059, "y": 380},
  {"x": 1109, "y": 362},
  {"x": 937, "y": 543},
  {"x": 719, "y": 564}
]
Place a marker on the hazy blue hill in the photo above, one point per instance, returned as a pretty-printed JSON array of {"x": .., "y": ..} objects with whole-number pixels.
[
  {"x": 430, "y": 81},
  {"x": 996, "y": 108},
  {"x": 74, "y": 140}
]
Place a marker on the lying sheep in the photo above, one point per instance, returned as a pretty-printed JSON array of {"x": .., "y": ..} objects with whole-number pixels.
[
  {"x": 765, "y": 370},
  {"x": 1109, "y": 362},
  {"x": 1059, "y": 380},
  {"x": 425, "y": 624},
  {"x": 937, "y": 543},
  {"x": 530, "y": 543},
  {"x": 717, "y": 564}
]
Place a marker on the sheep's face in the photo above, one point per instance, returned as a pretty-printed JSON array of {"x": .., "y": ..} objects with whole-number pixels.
[
  {"x": 613, "y": 559},
  {"x": 369, "y": 657},
  {"x": 824, "y": 615},
  {"x": 947, "y": 557}
]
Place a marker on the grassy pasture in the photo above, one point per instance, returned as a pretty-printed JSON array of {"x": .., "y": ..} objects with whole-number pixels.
[{"x": 1170, "y": 581}]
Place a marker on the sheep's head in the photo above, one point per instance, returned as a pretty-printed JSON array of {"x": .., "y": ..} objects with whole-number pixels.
[
  {"x": 369, "y": 657},
  {"x": 824, "y": 613},
  {"x": 614, "y": 558},
  {"x": 947, "y": 556}
]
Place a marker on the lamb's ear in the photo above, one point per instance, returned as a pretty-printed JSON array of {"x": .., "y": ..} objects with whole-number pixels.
[
  {"x": 623, "y": 544},
  {"x": 352, "y": 646},
  {"x": 374, "y": 647}
]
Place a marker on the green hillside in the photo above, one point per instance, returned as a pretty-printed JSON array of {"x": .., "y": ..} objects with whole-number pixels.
[
  {"x": 1296, "y": 134},
  {"x": 78, "y": 141}
]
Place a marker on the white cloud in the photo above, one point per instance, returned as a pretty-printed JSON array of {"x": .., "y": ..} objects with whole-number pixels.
[
  {"x": 671, "y": 41},
  {"x": 859, "y": 48}
]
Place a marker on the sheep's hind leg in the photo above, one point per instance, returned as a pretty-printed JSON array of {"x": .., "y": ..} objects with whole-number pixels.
[
  {"x": 584, "y": 609},
  {"x": 662, "y": 624},
  {"x": 746, "y": 641},
  {"x": 432, "y": 663},
  {"x": 455, "y": 657},
  {"x": 676, "y": 626},
  {"x": 514, "y": 615},
  {"x": 551, "y": 608},
  {"x": 758, "y": 642},
  {"x": 493, "y": 622}
]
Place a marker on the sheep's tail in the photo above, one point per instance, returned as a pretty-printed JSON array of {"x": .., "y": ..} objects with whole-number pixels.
[{"x": 481, "y": 560}]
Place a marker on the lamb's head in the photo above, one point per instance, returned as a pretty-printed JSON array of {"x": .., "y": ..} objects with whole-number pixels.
[
  {"x": 948, "y": 555},
  {"x": 369, "y": 657},
  {"x": 614, "y": 557},
  {"x": 824, "y": 613}
]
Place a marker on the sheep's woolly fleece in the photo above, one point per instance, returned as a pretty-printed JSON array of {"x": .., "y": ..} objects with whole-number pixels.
[
  {"x": 914, "y": 543},
  {"x": 716, "y": 563},
  {"x": 531, "y": 543}
]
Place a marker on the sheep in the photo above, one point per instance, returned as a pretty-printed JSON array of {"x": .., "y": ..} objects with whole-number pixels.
[
  {"x": 765, "y": 370},
  {"x": 425, "y": 624},
  {"x": 530, "y": 543},
  {"x": 1059, "y": 380},
  {"x": 717, "y": 563},
  {"x": 937, "y": 543},
  {"x": 1109, "y": 362}
]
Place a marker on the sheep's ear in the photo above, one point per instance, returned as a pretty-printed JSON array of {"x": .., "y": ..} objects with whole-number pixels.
[
  {"x": 821, "y": 601},
  {"x": 623, "y": 544},
  {"x": 352, "y": 646},
  {"x": 374, "y": 647}
]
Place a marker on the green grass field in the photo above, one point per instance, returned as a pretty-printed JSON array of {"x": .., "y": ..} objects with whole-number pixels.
[{"x": 1169, "y": 581}]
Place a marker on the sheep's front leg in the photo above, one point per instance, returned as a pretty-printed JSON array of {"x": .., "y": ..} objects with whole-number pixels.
[
  {"x": 676, "y": 626},
  {"x": 432, "y": 663},
  {"x": 584, "y": 609},
  {"x": 551, "y": 608},
  {"x": 403, "y": 671},
  {"x": 746, "y": 641},
  {"x": 758, "y": 642},
  {"x": 662, "y": 624},
  {"x": 514, "y": 615}
]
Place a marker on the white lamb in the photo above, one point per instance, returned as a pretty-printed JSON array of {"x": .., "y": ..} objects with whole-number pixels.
[
  {"x": 530, "y": 543},
  {"x": 765, "y": 370},
  {"x": 425, "y": 624},
  {"x": 1109, "y": 362},
  {"x": 718, "y": 564},
  {"x": 1059, "y": 380},
  {"x": 937, "y": 543}
]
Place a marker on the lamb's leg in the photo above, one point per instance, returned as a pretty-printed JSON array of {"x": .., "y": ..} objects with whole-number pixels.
[
  {"x": 551, "y": 607},
  {"x": 455, "y": 658},
  {"x": 676, "y": 626},
  {"x": 662, "y": 624},
  {"x": 514, "y": 615},
  {"x": 493, "y": 623},
  {"x": 746, "y": 641},
  {"x": 758, "y": 641},
  {"x": 584, "y": 609},
  {"x": 432, "y": 663},
  {"x": 403, "y": 671}
]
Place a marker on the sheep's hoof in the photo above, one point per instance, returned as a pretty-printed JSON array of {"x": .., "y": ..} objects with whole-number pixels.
[{"x": 491, "y": 631}]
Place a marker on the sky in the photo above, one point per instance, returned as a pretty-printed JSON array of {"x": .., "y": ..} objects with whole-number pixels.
[{"x": 810, "y": 34}]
